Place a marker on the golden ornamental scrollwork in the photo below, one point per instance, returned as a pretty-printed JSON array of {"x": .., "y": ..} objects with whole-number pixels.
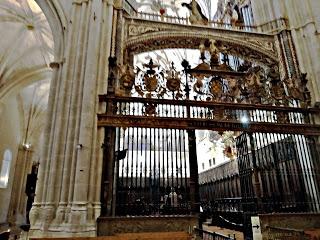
[
  {"x": 213, "y": 79},
  {"x": 150, "y": 109}
]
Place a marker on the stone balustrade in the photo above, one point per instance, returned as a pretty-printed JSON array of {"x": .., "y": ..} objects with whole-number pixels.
[{"x": 269, "y": 27}]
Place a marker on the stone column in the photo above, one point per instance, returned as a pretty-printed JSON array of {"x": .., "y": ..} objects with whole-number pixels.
[
  {"x": 67, "y": 201},
  {"x": 304, "y": 34},
  {"x": 38, "y": 213},
  {"x": 103, "y": 71}
]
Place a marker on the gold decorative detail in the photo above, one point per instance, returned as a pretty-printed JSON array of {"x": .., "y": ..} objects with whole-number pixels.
[
  {"x": 151, "y": 83},
  {"x": 216, "y": 88},
  {"x": 218, "y": 113},
  {"x": 173, "y": 79},
  {"x": 282, "y": 117},
  {"x": 150, "y": 109},
  {"x": 127, "y": 77},
  {"x": 198, "y": 86}
]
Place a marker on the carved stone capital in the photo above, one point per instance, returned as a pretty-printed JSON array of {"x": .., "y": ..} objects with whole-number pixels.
[
  {"x": 109, "y": 2},
  {"x": 80, "y": 2}
]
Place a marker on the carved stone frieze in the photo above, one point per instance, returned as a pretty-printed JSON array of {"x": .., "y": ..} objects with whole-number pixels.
[
  {"x": 162, "y": 43},
  {"x": 144, "y": 35},
  {"x": 251, "y": 52},
  {"x": 246, "y": 53},
  {"x": 136, "y": 30},
  {"x": 267, "y": 45}
]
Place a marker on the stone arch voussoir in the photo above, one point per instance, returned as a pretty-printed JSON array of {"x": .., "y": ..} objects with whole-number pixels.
[{"x": 261, "y": 51}]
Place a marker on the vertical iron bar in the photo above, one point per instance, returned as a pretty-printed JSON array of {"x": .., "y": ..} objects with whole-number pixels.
[
  {"x": 307, "y": 180},
  {"x": 155, "y": 188},
  {"x": 145, "y": 162},
  {"x": 176, "y": 149},
  {"x": 137, "y": 157},
  {"x": 128, "y": 157},
  {"x": 163, "y": 157},
  {"x": 180, "y": 156},
  {"x": 131, "y": 175},
  {"x": 150, "y": 166},
  {"x": 167, "y": 167},
  {"x": 123, "y": 161},
  {"x": 185, "y": 166},
  {"x": 159, "y": 169},
  {"x": 311, "y": 174},
  {"x": 172, "y": 174}
]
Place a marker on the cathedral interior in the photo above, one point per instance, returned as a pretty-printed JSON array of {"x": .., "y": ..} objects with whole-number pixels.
[{"x": 160, "y": 119}]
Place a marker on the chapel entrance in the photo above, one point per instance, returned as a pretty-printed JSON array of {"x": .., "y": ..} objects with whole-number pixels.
[{"x": 150, "y": 158}]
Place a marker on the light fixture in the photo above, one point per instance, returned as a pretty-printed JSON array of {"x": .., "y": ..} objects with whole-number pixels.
[
  {"x": 26, "y": 146},
  {"x": 245, "y": 120}
]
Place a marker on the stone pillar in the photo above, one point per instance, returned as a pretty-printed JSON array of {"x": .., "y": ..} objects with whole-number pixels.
[
  {"x": 105, "y": 46},
  {"x": 304, "y": 26},
  {"x": 18, "y": 203},
  {"x": 67, "y": 197}
]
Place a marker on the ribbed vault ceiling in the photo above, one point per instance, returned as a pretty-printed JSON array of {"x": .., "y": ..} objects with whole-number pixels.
[{"x": 26, "y": 45}]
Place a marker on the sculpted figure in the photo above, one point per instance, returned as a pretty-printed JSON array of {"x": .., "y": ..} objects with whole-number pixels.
[{"x": 196, "y": 16}]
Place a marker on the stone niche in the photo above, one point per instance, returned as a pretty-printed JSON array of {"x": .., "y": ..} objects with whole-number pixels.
[
  {"x": 107, "y": 226},
  {"x": 293, "y": 226}
]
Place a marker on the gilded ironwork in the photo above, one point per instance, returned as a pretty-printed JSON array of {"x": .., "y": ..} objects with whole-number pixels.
[
  {"x": 190, "y": 114},
  {"x": 210, "y": 124},
  {"x": 216, "y": 81}
]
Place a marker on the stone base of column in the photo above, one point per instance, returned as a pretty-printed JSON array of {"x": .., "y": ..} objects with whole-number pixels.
[
  {"x": 76, "y": 220},
  {"x": 63, "y": 234}
]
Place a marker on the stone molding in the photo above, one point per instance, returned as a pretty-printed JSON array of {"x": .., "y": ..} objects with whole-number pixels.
[{"x": 139, "y": 32}]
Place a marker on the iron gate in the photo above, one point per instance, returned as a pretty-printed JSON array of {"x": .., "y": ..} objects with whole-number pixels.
[{"x": 153, "y": 172}]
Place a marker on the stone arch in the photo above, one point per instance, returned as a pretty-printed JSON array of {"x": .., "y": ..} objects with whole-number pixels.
[
  {"x": 57, "y": 22},
  {"x": 261, "y": 51},
  {"x": 24, "y": 80}
]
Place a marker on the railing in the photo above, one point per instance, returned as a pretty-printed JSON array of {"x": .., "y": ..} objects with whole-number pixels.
[
  {"x": 269, "y": 27},
  {"x": 162, "y": 18},
  {"x": 274, "y": 26},
  {"x": 207, "y": 235},
  {"x": 128, "y": 7},
  {"x": 204, "y": 115}
]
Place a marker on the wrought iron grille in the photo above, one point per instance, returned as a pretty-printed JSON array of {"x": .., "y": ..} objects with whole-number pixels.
[
  {"x": 188, "y": 114},
  {"x": 273, "y": 173},
  {"x": 279, "y": 172},
  {"x": 153, "y": 175}
]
